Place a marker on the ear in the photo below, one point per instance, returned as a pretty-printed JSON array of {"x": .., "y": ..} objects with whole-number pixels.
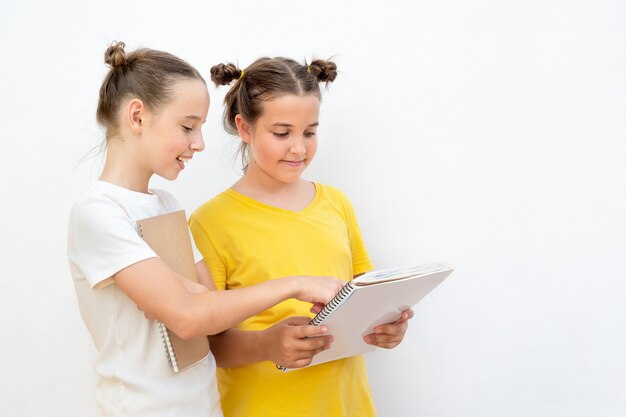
[
  {"x": 243, "y": 128},
  {"x": 135, "y": 111}
]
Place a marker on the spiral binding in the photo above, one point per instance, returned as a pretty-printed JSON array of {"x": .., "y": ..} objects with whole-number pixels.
[
  {"x": 341, "y": 296},
  {"x": 169, "y": 349},
  {"x": 332, "y": 304}
]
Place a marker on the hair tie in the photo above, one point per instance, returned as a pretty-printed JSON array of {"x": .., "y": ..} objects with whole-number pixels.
[
  {"x": 240, "y": 75},
  {"x": 308, "y": 69}
]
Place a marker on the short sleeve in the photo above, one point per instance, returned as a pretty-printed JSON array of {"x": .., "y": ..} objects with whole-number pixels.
[
  {"x": 103, "y": 240},
  {"x": 361, "y": 261},
  {"x": 209, "y": 252},
  {"x": 197, "y": 255}
]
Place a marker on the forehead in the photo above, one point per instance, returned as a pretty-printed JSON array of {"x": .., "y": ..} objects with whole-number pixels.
[
  {"x": 292, "y": 108},
  {"x": 191, "y": 97}
]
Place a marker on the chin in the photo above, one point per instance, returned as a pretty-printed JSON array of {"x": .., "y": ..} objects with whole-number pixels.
[
  {"x": 168, "y": 176},
  {"x": 291, "y": 180}
]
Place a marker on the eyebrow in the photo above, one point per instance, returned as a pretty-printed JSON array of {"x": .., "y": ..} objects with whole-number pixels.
[
  {"x": 281, "y": 124},
  {"x": 192, "y": 117}
]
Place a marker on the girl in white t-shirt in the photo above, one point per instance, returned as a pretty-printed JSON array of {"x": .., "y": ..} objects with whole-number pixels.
[{"x": 152, "y": 106}]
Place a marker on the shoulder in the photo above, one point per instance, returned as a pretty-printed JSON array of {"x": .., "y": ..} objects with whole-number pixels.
[
  {"x": 93, "y": 206},
  {"x": 333, "y": 193},
  {"x": 218, "y": 206},
  {"x": 334, "y": 197},
  {"x": 95, "y": 218}
]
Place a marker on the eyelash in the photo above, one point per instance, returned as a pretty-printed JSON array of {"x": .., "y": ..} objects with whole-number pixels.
[
  {"x": 187, "y": 129},
  {"x": 285, "y": 134}
]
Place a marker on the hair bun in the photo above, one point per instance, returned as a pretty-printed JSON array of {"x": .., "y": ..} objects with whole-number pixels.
[
  {"x": 115, "y": 56},
  {"x": 325, "y": 71},
  {"x": 224, "y": 74}
]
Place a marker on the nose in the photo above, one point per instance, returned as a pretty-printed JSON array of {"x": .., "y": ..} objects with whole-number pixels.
[
  {"x": 197, "y": 143},
  {"x": 298, "y": 145}
]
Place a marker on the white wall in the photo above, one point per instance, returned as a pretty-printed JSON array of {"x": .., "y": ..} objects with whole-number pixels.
[{"x": 488, "y": 134}]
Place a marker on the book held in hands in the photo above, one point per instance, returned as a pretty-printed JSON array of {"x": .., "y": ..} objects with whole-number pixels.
[{"x": 375, "y": 298}]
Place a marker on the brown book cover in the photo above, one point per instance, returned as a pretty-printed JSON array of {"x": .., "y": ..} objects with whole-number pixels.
[{"x": 168, "y": 236}]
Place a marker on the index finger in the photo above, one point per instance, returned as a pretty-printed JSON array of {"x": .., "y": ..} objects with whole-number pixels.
[{"x": 311, "y": 331}]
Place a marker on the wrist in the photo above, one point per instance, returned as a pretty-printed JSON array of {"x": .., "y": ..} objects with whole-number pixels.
[
  {"x": 293, "y": 286},
  {"x": 260, "y": 341}
]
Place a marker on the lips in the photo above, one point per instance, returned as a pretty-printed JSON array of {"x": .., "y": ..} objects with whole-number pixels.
[
  {"x": 294, "y": 163},
  {"x": 182, "y": 160}
]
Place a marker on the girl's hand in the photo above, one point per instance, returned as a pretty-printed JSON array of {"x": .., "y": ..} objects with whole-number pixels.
[
  {"x": 317, "y": 307},
  {"x": 390, "y": 335},
  {"x": 290, "y": 343},
  {"x": 316, "y": 290}
]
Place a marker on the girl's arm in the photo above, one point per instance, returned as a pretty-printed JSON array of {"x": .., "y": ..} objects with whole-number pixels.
[
  {"x": 160, "y": 293},
  {"x": 287, "y": 343},
  {"x": 204, "y": 276}
]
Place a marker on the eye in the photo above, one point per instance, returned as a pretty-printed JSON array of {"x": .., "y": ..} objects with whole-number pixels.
[
  {"x": 309, "y": 134},
  {"x": 187, "y": 128},
  {"x": 281, "y": 134}
]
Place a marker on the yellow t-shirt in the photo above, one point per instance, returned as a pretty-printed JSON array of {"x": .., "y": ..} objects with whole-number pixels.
[{"x": 245, "y": 242}]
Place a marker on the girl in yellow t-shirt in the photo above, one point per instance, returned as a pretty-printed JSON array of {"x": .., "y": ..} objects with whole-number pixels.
[{"x": 273, "y": 223}]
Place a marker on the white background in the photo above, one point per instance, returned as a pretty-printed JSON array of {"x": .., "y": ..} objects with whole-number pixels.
[{"x": 488, "y": 134}]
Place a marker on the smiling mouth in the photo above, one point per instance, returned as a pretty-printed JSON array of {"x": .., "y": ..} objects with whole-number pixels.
[{"x": 182, "y": 161}]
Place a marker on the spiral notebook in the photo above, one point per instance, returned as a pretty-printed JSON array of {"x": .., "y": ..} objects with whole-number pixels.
[
  {"x": 374, "y": 298},
  {"x": 168, "y": 236}
]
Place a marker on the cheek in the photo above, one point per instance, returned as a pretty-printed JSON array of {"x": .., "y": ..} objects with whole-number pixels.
[
  {"x": 311, "y": 148},
  {"x": 267, "y": 150},
  {"x": 176, "y": 144}
]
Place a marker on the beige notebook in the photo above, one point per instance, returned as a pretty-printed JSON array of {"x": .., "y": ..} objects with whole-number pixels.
[
  {"x": 374, "y": 298},
  {"x": 168, "y": 236}
]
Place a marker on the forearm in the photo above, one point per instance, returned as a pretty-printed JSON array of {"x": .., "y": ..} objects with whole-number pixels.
[
  {"x": 213, "y": 312},
  {"x": 234, "y": 348},
  {"x": 159, "y": 292},
  {"x": 291, "y": 342}
]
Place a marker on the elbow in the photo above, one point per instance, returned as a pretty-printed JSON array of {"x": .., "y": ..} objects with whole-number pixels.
[
  {"x": 186, "y": 332},
  {"x": 190, "y": 319},
  {"x": 185, "y": 326},
  {"x": 189, "y": 326}
]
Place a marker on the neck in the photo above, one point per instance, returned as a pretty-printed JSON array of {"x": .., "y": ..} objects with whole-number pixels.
[
  {"x": 286, "y": 195},
  {"x": 257, "y": 180},
  {"x": 122, "y": 167}
]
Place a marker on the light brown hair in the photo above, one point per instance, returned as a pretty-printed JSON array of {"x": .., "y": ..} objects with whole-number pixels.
[
  {"x": 264, "y": 80},
  {"x": 146, "y": 74}
]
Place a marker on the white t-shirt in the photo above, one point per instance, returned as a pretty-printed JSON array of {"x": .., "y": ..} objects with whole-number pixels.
[{"x": 135, "y": 377}]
